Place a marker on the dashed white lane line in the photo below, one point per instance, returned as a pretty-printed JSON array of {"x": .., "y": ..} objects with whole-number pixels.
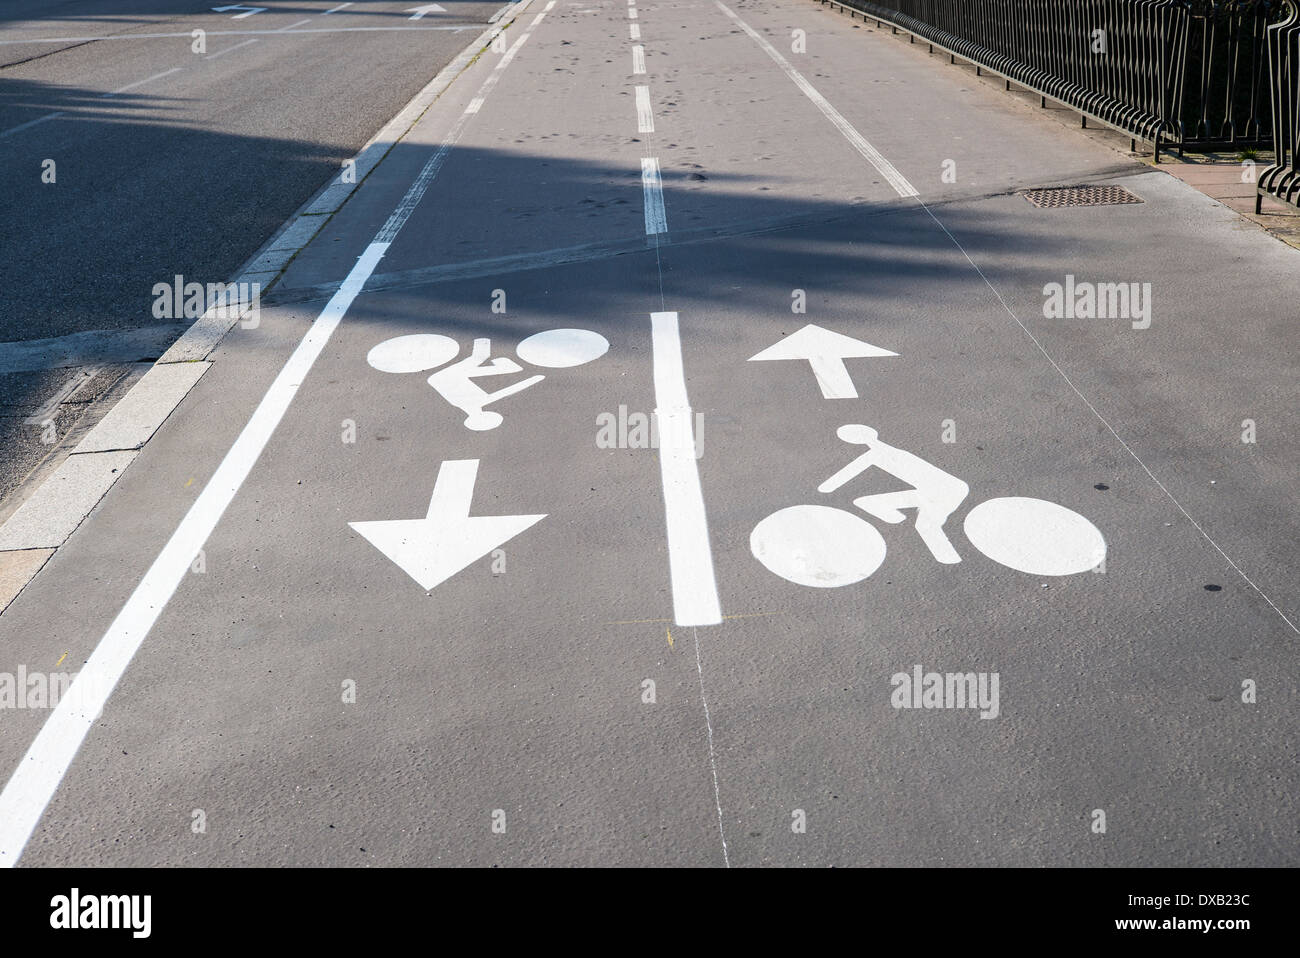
[
  {"x": 652, "y": 187},
  {"x": 631, "y": 13},
  {"x": 510, "y": 54},
  {"x": 342, "y": 5},
  {"x": 690, "y": 560},
  {"x": 638, "y": 59},
  {"x": 873, "y": 156},
  {"x": 38, "y": 774},
  {"x": 645, "y": 119},
  {"x": 138, "y": 83},
  {"x": 30, "y": 123},
  {"x": 634, "y": 31},
  {"x": 222, "y": 53},
  {"x": 474, "y": 105}
]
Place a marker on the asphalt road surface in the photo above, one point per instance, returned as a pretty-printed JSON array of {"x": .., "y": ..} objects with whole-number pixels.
[{"x": 405, "y": 579}]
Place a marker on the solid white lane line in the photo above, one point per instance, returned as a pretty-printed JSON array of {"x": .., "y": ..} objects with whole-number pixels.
[
  {"x": 221, "y": 53},
  {"x": 31, "y": 123},
  {"x": 537, "y": 19},
  {"x": 638, "y": 59},
  {"x": 132, "y": 86},
  {"x": 873, "y": 156},
  {"x": 690, "y": 560},
  {"x": 634, "y": 31},
  {"x": 342, "y": 5},
  {"x": 645, "y": 119},
  {"x": 652, "y": 188},
  {"x": 38, "y": 774}
]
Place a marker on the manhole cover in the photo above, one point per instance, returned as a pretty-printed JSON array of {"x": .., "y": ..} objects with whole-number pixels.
[{"x": 1080, "y": 196}]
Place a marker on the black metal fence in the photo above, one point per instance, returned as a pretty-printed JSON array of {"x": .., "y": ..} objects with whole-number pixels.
[
  {"x": 1188, "y": 74},
  {"x": 1282, "y": 179}
]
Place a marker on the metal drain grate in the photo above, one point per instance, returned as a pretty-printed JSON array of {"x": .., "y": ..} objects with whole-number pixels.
[{"x": 1080, "y": 196}]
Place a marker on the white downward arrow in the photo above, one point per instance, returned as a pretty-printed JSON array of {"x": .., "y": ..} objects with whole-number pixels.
[
  {"x": 433, "y": 549},
  {"x": 825, "y": 351},
  {"x": 418, "y": 12}
]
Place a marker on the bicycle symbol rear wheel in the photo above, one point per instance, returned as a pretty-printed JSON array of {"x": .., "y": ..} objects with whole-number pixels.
[{"x": 818, "y": 546}]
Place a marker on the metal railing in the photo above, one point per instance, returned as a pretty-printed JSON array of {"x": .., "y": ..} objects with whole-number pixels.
[
  {"x": 1187, "y": 74},
  {"x": 1282, "y": 179}
]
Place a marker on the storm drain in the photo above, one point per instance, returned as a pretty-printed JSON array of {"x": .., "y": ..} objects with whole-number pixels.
[{"x": 1080, "y": 196}]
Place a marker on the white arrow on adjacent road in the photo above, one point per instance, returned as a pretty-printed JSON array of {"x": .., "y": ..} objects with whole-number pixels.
[
  {"x": 433, "y": 549},
  {"x": 248, "y": 11},
  {"x": 826, "y": 351},
  {"x": 418, "y": 12}
]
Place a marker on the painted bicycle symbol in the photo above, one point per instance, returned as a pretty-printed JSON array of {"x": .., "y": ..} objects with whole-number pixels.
[
  {"x": 421, "y": 352},
  {"x": 825, "y": 547}
]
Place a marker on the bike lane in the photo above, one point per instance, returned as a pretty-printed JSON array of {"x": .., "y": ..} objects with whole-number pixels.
[{"x": 1120, "y": 690}]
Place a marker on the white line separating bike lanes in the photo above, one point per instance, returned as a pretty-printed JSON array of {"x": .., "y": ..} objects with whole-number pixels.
[
  {"x": 905, "y": 189},
  {"x": 36, "y": 779},
  {"x": 691, "y": 573}
]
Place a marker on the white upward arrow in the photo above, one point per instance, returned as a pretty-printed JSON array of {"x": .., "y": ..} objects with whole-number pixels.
[
  {"x": 433, "y": 549},
  {"x": 418, "y": 12},
  {"x": 826, "y": 352}
]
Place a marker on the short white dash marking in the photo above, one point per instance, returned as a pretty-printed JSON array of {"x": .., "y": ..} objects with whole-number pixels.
[
  {"x": 656, "y": 220},
  {"x": 638, "y": 59},
  {"x": 474, "y": 105},
  {"x": 510, "y": 54},
  {"x": 634, "y": 30},
  {"x": 336, "y": 9},
  {"x": 132, "y": 86},
  {"x": 222, "y": 53},
  {"x": 30, "y": 123},
  {"x": 645, "y": 119}
]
